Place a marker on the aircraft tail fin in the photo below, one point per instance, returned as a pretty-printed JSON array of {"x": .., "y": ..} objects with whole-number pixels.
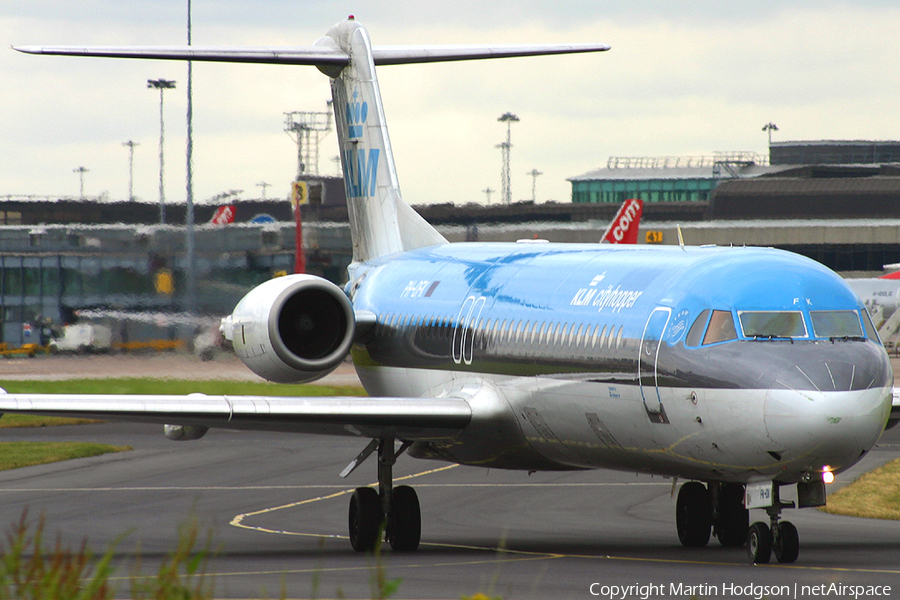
[
  {"x": 624, "y": 227},
  {"x": 381, "y": 223},
  {"x": 224, "y": 215}
]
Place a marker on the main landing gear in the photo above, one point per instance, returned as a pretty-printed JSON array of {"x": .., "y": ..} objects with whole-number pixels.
[
  {"x": 717, "y": 510},
  {"x": 702, "y": 511},
  {"x": 390, "y": 513}
]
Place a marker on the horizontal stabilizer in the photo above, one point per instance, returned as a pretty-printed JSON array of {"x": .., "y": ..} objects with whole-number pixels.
[
  {"x": 324, "y": 56},
  {"x": 398, "y": 55},
  {"x": 405, "y": 418},
  {"x": 302, "y": 55}
]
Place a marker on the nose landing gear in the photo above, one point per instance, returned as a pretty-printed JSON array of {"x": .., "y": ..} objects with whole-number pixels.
[
  {"x": 720, "y": 508},
  {"x": 780, "y": 537}
]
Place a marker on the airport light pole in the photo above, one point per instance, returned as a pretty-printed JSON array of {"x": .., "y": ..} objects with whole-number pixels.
[
  {"x": 191, "y": 270},
  {"x": 81, "y": 171},
  {"x": 534, "y": 175},
  {"x": 506, "y": 190},
  {"x": 130, "y": 145},
  {"x": 161, "y": 85},
  {"x": 770, "y": 127}
]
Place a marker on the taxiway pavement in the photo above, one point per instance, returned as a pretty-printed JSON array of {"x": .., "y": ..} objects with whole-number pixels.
[{"x": 276, "y": 512}]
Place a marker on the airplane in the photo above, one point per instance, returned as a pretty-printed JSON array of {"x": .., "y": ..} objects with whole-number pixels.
[
  {"x": 879, "y": 293},
  {"x": 743, "y": 371}
]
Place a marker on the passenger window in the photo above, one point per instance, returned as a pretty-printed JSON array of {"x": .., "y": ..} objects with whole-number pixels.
[
  {"x": 776, "y": 324},
  {"x": 721, "y": 328},
  {"x": 836, "y": 323},
  {"x": 695, "y": 334}
]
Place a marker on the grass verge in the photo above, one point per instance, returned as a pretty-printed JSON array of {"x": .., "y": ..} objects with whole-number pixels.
[
  {"x": 12, "y": 421},
  {"x": 148, "y": 385},
  {"x": 14, "y": 455},
  {"x": 875, "y": 495}
]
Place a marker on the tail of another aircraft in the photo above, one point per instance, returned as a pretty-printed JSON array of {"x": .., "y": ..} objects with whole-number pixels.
[
  {"x": 624, "y": 227},
  {"x": 381, "y": 222}
]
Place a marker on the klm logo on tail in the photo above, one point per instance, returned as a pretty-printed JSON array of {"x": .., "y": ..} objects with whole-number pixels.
[
  {"x": 360, "y": 164},
  {"x": 357, "y": 113}
]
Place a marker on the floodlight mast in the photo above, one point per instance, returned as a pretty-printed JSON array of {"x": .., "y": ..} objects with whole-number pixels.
[
  {"x": 130, "y": 145},
  {"x": 161, "y": 85},
  {"x": 506, "y": 190},
  {"x": 307, "y": 129},
  {"x": 81, "y": 171},
  {"x": 534, "y": 175}
]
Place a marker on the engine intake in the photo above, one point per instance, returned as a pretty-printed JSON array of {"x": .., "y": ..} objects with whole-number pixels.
[{"x": 292, "y": 329}]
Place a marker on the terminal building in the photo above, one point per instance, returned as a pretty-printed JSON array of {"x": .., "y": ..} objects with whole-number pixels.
[{"x": 835, "y": 201}]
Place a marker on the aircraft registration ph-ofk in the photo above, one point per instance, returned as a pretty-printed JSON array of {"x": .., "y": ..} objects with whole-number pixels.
[{"x": 742, "y": 370}]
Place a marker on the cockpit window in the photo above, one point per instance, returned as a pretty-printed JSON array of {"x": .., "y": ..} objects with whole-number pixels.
[
  {"x": 871, "y": 333},
  {"x": 772, "y": 324},
  {"x": 836, "y": 323},
  {"x": 721, "y": 328},
  {"x": 695, "y": 334}
]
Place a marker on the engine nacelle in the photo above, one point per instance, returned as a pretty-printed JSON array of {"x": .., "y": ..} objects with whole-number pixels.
[
  {"x": 184, "y": 433},
  {"x": 292, "y": 329}
]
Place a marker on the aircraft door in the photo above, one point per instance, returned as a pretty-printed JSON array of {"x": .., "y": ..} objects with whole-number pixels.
[
  {"x": 464, "y": 329},
  {"x": 649, "y": 353}
]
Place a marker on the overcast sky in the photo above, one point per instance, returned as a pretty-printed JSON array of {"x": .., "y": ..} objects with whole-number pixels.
[{"x": 681, "y": 79}]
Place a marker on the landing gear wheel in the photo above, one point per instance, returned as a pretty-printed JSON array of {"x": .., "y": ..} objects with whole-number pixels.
[
  {"x": 759, "y": 543},
  {"x": 786, "y": 542},
  {"x": 732, "y": 520},
  {"x": 366, "y": 519},
  {"x": 404, "y": 528},
  {"x": 693, "y": 515}
]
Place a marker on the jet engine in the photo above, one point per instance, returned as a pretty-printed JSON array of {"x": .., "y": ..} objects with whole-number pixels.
[
  {"x": 292, "y": 329},
  {"x": 183, "y": 433}
]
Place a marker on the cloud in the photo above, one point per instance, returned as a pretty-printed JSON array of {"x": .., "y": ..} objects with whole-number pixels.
[{"x": 681, "y": 79}]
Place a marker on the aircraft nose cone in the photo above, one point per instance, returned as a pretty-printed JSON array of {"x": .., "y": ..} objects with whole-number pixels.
[{"x": 810, "y": 429}]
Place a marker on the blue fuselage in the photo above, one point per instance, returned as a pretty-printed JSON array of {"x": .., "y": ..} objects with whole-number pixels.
[{"x": 714, "y": 363}]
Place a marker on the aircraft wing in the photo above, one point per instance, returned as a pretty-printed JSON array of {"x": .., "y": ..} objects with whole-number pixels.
[
  {"x": 404, "y": 418},
  {"x": 315, "y": 55}
]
